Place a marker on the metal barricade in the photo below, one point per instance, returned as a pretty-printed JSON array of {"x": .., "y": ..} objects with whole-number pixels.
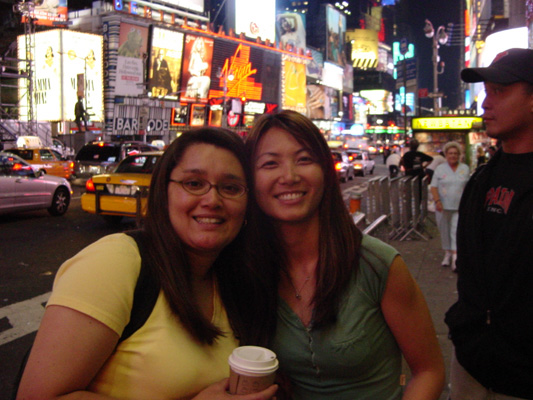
[
  {"x": 411, "y": 202},
  {"x": 395, "y": 210},
  {"x": 372, "y": 203}
]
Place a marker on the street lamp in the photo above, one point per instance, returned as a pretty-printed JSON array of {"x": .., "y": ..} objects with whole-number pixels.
[
  {"x": 228, "y": 76},
  {"x": 439, "y": 38}
]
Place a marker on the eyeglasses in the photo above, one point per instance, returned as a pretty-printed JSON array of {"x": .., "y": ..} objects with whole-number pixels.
[{"x": 199, "y": 187}]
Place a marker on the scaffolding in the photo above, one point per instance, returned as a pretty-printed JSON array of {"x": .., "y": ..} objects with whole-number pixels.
[{"x": 15, "y": 68}]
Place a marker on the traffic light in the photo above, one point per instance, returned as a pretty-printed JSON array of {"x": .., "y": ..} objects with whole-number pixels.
[{"x": 243, "y": 99}]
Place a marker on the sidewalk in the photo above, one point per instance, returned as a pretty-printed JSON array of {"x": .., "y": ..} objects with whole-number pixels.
[{"x": 437, "y": 283}]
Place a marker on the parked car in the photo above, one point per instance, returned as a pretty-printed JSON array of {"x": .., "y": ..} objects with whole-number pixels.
[
  {"x": 45, "y": 160},
  {"x": 23, "y": 189},
  {"x": 100, "y": 157},
  {"x": 124, "y": 192},
  {"x": 361, "y": 161},
  {"x": 343, "y": 166}
]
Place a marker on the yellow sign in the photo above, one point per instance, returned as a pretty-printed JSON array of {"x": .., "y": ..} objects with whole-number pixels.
[{"x": 445, "y": 123}]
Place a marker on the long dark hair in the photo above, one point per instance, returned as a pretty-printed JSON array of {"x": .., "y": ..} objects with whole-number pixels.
[
  {"x": 339, "y": 238},
  {"x": 171, "y": 266}
]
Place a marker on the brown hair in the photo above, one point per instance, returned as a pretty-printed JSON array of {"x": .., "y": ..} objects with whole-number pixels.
[
  {"x": 339, "y": 238},
  {"x": 171, "y": 267}
]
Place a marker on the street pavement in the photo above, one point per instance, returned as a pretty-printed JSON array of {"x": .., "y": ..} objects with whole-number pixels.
[{"x": 437, "y": 283}]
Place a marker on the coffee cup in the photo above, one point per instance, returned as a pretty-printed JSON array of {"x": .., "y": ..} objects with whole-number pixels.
[{"x": 252, "y": 369}]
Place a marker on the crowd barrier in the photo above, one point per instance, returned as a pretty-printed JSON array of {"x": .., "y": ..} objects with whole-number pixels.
[{"x": 400, "y": 204}]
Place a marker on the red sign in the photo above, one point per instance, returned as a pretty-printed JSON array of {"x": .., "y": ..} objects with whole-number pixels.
[{"x": 423, "y": 92}]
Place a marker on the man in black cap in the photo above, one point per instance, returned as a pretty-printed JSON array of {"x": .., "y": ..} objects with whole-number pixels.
[{"x": 491, "y": 324}]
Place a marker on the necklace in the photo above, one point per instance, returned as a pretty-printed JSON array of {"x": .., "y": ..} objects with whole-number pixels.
[{"x": 298, "y": 293}]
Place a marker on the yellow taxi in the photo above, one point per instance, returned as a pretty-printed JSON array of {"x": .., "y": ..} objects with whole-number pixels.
[
  {"x": 46, "y": 161},
  {"x": 123, "y": 193}
]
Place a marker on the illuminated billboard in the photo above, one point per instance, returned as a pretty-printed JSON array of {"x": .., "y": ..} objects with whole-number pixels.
[
  {"x": 255, "y": 72},
  {"x": 132, "y": 50},
  {"x": 336, "y": 29},
  {"x": 293, "y": 84},
  {"x": 320, "y": 102},
  {"x": 48, "y": 12},
  {"x": 196, "y": 77},
  {"x": 165, "y": 63},
  {"x": 253, "y": 18},
  {"x": 381, "y": 101},
  {"x": 67, "y": 64},
  {"x": 194, "y": 5},
  {"x": 290, "y": 30},
  {"x": 365, "y": 45}
]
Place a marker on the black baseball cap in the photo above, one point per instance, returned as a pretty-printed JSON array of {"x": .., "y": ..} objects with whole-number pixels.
[{"x": 510, "y": 66}]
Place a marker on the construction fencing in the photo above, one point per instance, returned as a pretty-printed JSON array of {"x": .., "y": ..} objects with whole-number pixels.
[{"x": 393, "y": 209}]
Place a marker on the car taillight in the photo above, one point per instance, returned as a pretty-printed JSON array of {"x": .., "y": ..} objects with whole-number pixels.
[
  {"x": 89, "y": 186},
  {"x": 338, "y": 166}
]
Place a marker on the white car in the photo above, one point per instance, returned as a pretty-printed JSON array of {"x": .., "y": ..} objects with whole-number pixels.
[
  {"x": 23, "y": 189},
  {"x": 362, "y": 163}
]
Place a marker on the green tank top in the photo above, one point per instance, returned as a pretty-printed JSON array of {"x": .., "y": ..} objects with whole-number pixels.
[{"x": 357, "y": 358}]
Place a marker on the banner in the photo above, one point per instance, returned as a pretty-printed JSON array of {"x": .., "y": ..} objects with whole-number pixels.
[{"x": 132, "y": 52}]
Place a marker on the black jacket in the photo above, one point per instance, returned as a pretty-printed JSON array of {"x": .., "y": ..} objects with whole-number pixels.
[{"x": 491, "y": 325}]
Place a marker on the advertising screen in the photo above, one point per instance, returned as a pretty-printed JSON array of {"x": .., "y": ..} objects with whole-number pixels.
[
  {"x": 47, "y": 73},
  {"x": 294, "y": 79},
  {"x": 194, "y": 5},
  {"x": 316, "y": 65},
  {"x": 320, "y": 102},
  {"x": 196, "y": 77},
  {"x": 256, "y": 18},
  {"x": 48, "y": 12},
  {"x": 336, "y": 27},
  {"x": 245, "y": 71},
  {"x": 83, "y": 54},
  {"x": 290, "y": 30},
  {"x": 165, "y": 63},
  {"x": 67, "y": 64},
  {"x": 133, "y": 47},
  {"x": 380, "y": 101}
]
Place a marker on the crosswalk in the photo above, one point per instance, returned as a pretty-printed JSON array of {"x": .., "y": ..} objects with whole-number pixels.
[{"x": 22, "y": 318}]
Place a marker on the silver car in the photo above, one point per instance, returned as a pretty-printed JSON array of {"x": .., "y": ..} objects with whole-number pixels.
[{"x": 23, "y": 189}]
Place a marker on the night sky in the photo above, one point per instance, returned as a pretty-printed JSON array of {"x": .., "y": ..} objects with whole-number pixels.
[{"x": 439, "y": 12}]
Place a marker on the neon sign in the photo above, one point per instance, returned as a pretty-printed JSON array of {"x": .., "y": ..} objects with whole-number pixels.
[{"x": 243, "y": 83}]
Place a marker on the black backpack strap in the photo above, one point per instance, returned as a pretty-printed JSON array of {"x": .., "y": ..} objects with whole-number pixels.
[
  {"x": 144, "y": 299},
  {"x": 146, "y": 289}
]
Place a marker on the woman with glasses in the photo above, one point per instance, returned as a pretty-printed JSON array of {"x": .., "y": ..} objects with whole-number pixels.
[
  {"x": 193, "y": 235},
  {"x": 347, "y": 307}
]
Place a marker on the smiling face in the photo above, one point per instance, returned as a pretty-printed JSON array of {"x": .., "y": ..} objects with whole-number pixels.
[
  {"x": 289, "y": 182},
  {"x": 452, "y": 156},
  {"x": 508, "y": 112},
  {"x": 206, "y": 223}
]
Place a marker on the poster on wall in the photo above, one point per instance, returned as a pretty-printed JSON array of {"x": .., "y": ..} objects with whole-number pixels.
[
  {"x": 67, "y": 64},
  {"x": 198, "y": 114},
  {"x": 290, "y": 30},
  {"x": 336, "y": 29},
  {"x": 132, "y": 51},
  {"x": 196, "y": 76},
  {"x": 165, "y": 63},
  {"x": 294, "y": 79},
  {"x": 180, "y": 115}
]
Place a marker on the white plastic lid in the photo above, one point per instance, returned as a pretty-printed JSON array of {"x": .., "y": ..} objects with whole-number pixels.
[{"x": 253, "y": 360}]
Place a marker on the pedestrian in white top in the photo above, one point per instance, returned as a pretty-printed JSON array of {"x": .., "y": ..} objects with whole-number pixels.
[{"x": 447, "y": 187}]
